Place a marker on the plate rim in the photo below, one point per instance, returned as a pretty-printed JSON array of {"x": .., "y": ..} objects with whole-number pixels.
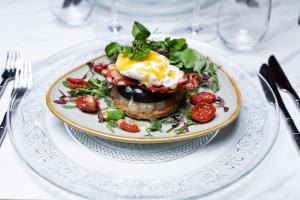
[{"x": 120, "y": 138}]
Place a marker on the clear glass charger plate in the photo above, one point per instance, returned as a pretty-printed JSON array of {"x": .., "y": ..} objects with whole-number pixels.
[{"x": 99, "y": 169}]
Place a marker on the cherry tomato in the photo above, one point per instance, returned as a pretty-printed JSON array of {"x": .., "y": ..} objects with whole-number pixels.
[
  {"x": 100, "y": 67},
  {"x": 203, "y": 112},
  {"x": 191, "y": 80},
  {"x": 87, "y": 103},
  {"x": 129, "y": 126},
  {"x": 207, "y": 97},
  {"x": 77, "y": 83}
]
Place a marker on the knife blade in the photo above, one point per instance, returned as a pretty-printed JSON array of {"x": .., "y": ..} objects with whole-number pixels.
[
  {"x": 281, "y": 79},
  {"x": 265, "y": 72}
]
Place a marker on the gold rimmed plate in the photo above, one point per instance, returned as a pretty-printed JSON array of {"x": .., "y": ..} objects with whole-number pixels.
[{"x": 88, "y": 122}]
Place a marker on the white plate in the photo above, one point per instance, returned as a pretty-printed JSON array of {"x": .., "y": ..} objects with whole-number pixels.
[{"x": 109, "y": 170}]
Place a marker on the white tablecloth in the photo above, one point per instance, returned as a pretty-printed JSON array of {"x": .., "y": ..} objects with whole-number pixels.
[{"x": 30, "y": 26}]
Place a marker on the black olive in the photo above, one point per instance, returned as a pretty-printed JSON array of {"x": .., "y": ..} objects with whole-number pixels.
[{"x": 137, "y": 94}]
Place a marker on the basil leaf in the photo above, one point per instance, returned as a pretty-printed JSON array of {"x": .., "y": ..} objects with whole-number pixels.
[
  {"x": 139, "y": 31},
  {"x": 199, "y": 65},
  {"x": 113, "y": 114},
  {"x": 189, "y": 57},
  {"x": 112, "y": 50},
  {"x": 177, "y": 44},
  {"x": 175, "y": 58},
  {"x": 158, "y": 45}
]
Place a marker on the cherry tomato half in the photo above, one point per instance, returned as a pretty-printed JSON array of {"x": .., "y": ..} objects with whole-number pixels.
[
  {"x": 129, "y": 126},
  {"x": 203, "y": 112},
  {"x": 87, "y": 103},
  {"x": 100, "y": 67},
  {"x": 192, "y": 80},
  {"x": 77, "y": 83},
  {"x": 207, "y": 97}
]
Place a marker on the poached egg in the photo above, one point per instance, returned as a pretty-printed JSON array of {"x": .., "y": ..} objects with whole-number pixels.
[{"x": 154, "y": 70}]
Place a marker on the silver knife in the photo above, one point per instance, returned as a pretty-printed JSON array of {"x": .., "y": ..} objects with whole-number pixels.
[
  {"x": 281, "y": 79},
  {"x": 265, "y": 72}
]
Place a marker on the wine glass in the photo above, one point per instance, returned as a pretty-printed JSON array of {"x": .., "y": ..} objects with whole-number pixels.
[
  {"x": 242, "y": 24},
  {"x": 203, "y": 25},
  {"x": 71, "y": 12},
  {"x": 113, "y": 28}
]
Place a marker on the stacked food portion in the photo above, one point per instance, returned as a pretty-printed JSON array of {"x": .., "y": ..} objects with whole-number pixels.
[
  {"x": 163, "y": 81},
  {"x": 146, "y": 88}
]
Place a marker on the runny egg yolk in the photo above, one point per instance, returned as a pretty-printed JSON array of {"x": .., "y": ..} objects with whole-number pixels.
[{"x": 151, "y": 70}]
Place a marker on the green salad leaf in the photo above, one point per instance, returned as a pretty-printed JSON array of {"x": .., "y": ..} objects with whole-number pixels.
[
  {"x": 112, "y": 50},
  {"x": 139, "y": 31},
  {"x": 113, "y": 114},
  {"x": 176, "y": 44}
]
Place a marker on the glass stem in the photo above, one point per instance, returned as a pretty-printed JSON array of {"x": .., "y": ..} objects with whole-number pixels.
[
  {"x": 195, "y": 25},
  {"x": 113, "y": 10},
  {"x": 115, "y": 25}
]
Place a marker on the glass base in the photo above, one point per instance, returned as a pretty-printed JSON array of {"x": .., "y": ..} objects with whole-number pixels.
[
  {"x": 110, "y": 31},
  {"x": 240, "y": 41},
  {"x": 115, "y": 27},
  {"x": 202, "y": 33}
]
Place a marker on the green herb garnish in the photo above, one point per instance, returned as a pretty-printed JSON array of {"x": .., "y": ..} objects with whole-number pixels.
[
  {"x": 113, "y": 114},
  {"x": 155, "y": 125},
  {"x": 65, "y": 83},
  {"x": 111, "y": 124},
  {"x": 99, "y": 88},
  {"x": 69, "y": 106}
]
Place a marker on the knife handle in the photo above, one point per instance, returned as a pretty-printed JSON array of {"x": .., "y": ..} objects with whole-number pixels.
[
  {"x": 297, "y": 139},
  {"x": 295, "y": 95},
  {"x": 292, "y": 126}
]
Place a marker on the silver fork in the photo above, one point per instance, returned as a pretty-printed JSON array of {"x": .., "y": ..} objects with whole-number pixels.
[
  {"x": 10, "y": 68},
  {"x": 23, "y": 82}
]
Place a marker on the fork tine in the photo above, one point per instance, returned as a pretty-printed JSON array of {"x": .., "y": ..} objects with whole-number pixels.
[
  {"x": 8, "y": 60},
  {"x": 29, "y": 76},
  {"x": 25, "y": 74},
  {"x": 18, "y": 74},
  {"x": 13, "y": 60},
  {"x": 17, "y": 57}
]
